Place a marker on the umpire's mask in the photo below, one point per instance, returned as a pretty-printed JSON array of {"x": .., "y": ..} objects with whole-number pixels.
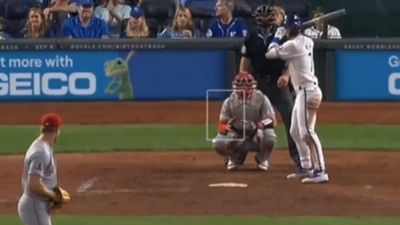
[{"x": 264, "y": 16}]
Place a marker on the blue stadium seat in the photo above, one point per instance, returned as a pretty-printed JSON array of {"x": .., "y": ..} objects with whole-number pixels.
[{"x": 201, "y": 8}]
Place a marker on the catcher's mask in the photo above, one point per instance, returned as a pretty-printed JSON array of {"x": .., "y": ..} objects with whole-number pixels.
[
  {"x": 264, "y": 15},
  {"x": 244, "y": 85}
]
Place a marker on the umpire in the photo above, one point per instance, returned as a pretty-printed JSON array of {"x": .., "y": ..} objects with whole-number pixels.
[{"x": 269, "y": 73}]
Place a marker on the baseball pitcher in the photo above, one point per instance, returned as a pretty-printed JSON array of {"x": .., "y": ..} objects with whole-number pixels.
[
  {"x": 246, "y": 123},
  {"x": 298, "y": 53},
  {"x": 41, "y": 194}
]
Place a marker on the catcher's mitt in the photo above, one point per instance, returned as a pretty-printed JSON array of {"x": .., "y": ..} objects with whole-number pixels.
[
  {"x": 244, "y": 128},
  {"x": 62, "y": 197}
]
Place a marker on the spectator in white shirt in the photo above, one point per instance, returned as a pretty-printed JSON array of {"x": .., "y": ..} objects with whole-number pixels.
[
  {"x": 316, "y": 31},
  {"x": 113, "y": 12}
]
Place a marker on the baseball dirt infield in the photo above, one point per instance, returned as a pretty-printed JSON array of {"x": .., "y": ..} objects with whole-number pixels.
[{"x": 177, "y": 183}]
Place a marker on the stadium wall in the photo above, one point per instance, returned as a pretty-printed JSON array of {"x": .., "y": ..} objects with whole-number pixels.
[{"x": 151, "y": 69}]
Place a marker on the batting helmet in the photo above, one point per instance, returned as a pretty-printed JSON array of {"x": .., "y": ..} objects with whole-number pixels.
[
  {"x": 244, "y": 84},
  {"x": 292, "y": 21}
]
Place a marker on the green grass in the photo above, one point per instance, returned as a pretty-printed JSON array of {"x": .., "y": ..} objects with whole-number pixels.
[
  {"x": 15, "y": 139},
  {"x": 208, "y": 220}
]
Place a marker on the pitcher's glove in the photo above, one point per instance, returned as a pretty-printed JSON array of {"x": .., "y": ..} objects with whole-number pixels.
[
  {"x": 244, "y": 128},
  {"x": 62, "y": 197}
]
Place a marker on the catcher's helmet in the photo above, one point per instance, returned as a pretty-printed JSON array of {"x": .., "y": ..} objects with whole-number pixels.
[
  {"x": 292, "y": 21},
  {"x": 244, "y": 84},
  {"x": 265, "y": 11}
]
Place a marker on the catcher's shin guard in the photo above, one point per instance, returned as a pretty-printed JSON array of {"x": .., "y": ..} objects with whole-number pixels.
[{"x": 267, "y": 143}]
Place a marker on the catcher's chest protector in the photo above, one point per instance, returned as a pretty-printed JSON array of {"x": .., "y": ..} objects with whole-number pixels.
[{"x": 252, "y": 107}]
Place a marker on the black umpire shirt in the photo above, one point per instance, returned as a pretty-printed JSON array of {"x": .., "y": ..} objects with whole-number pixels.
[{"x": 254, "y": 48}]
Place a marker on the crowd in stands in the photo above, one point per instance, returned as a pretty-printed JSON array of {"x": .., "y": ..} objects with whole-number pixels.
[{"x": 140, "y": 18}]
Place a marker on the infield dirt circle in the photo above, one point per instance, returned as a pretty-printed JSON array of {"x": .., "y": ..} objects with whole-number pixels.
[{"x": 176, "y": 183}]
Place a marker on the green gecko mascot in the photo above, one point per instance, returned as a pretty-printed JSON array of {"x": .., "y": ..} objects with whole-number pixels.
[{"x": 121, "y": 83}]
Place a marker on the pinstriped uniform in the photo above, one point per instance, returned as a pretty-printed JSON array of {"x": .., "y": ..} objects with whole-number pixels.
[{"x": 298, "y": 53}]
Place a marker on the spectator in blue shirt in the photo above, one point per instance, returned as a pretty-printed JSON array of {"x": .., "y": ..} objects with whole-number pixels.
[
  {"x": 85, "y": 25},
  {"x": 226, "y": 25}
]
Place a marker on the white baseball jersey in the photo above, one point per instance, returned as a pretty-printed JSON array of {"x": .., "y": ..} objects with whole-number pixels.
[
  {"x": 333, "y": 33},
  {"x": 39, "y": 161},
  {"x": 257, "y": 108},
  {"x": 298, "y": 53}
]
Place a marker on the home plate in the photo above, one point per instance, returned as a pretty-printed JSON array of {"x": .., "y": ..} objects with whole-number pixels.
[{"x": 228, "y": 185}]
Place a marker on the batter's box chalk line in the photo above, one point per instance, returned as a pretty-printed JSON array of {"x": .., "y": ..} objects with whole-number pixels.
[
  {"x": 86, "y": 185},
  {"x": 137, "y": 190},
  {"x": 229, "y": 184}
]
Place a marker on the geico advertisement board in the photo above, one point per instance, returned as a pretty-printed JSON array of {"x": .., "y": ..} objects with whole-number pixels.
[
  {"x": 111, "y": 75},
  {"x": 367, "y": 75}
]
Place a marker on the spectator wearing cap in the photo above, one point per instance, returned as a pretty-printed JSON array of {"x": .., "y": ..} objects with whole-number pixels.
[
  {"x": 226, "y": 25},
  {"x": 317, "y": 30},
  {"x": 182, "y": 26},
  {"x": 36, "y": 25},
  {"x": 113, "y": 12},
  {"x": 137, "y": 26},
  {"x": 85, "y": 25},
  {"x": 3, "y": 34}
]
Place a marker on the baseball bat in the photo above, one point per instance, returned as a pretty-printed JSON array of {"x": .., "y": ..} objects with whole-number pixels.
[{"x": 326, "y": 17}]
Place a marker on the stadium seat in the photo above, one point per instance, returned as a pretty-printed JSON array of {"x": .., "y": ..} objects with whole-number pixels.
[
  {"x": 18, "y": 9},
  {"x": 242, "y": 9},
  {"x": 162, "y": 11},
  {"x": 15, "y": 14},
  {"x": 2, "y": 7},
  {"x": 299, "y": 7},
  {"x": 201, "y": 8},
  {"x": 254, "y": 3}
]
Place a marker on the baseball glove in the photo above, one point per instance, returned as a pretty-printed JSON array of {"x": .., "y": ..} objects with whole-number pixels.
[
  {"x": 244, "y": 128},
  {"x": 62, "y": 197}
]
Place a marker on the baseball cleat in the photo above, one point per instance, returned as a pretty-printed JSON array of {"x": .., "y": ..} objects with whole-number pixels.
[
  {"x": 231, "y": 165},
  {"x": 303, "y": 173},
  {"x": 262, "y": 164},
  {"x": 318, "y": 177}
]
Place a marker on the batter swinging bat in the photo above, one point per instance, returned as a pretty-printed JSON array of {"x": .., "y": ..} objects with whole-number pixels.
[{"x": 326, "y": 17}]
